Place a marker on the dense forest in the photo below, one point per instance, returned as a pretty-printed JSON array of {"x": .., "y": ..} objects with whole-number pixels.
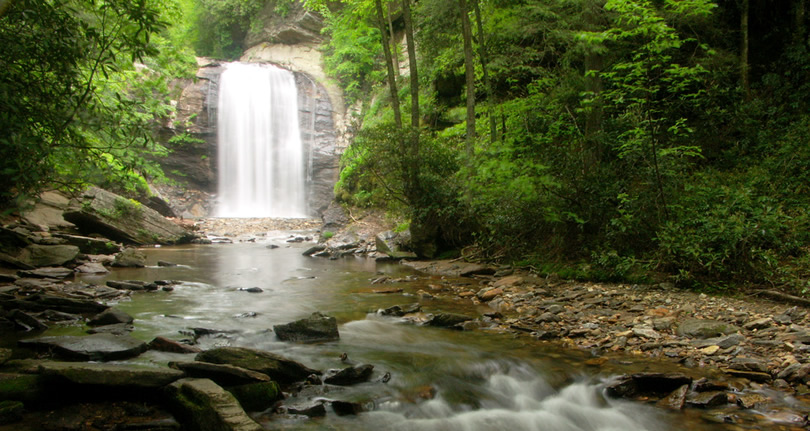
[{"x": 604, "y": 139}]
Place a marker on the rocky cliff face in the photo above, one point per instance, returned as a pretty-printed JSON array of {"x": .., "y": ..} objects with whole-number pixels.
[{"x": 192, "y": 135}]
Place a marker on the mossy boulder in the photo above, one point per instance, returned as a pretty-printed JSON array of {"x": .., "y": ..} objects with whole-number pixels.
[
  {"x": 256, "y": 397},
  {"x": 21, "y": 387},
  {"x": 317, "y": 327},
  {"x": 10, "y": 412},
  {"x": 279, "y": 368},
  {"x": 202, "y": 405}
]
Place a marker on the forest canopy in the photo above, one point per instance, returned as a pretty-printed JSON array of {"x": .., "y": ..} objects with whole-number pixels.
[{"x": 604, "y": 139}]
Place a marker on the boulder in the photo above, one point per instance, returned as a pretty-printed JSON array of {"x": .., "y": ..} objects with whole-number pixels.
[
  {"x": 675, "y": 400},
  {"x": 96, "y": 347},
  {"x": 350, "y": 375},
  {"x": 130, "y": 258},
  {"x": 26, "y": 321},
  {"x": 110, "y": 316},
  {"x": 131, "y": 285},
  {"x": 279, "y": 368},
  {"x": 44, "y": 302},
  {"x": 36, "y": 255},
  {"x": 163, "y": 344},
  {"x": 90, "y": 245},
  {"x": 451, "y": 268},
  {"x": 317, "y": 327},
  {"x": 201, "y": 404},
  {"x": 110, "y": 375},
  {"x": 256, "y": 397},
  {"x": 394, "y": 244},
  {"x": 448, "y": 320},
  {"x": 23, "y": 387},
  {"x": 124, "y": 220},
  {"x": 221, "y": 374},
  {"x": 91, "y": 268},
  {"x": 47, "y": 272},
  {"x": 707, "y": 399},
  {"x": 705, "y": 328},
  {"x": 114, "y": 329},
  {"x": 47, "y": 210},
  {"x": 401, "y": 310},
  {"x": 646, "y": 384}
]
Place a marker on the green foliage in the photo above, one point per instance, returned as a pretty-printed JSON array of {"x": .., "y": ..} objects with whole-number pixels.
[
  {"x": 77, "y": 110},
  {"x": 326, "y": 235},
  {"x": 220, "y": 26}
]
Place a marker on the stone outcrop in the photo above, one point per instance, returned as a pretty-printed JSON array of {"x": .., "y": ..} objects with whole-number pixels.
[
  {"x": 101, "y": 212},
  {"x": 110, "y": 375},
  {"x": 279, "y": 368},
  {"x": 205, "y": 406}
]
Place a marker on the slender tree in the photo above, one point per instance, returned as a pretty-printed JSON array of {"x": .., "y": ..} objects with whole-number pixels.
[
  {"x": 744, "y": 66},
  {"x": 413, "y": 165},
  {"x": 483, "y": 57},
  {"x": 469, "y": 72},
  {"x": 389, "y": 63}
]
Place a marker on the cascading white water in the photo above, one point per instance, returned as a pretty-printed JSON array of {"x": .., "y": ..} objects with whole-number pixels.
[{"x": 261, "y": 157}]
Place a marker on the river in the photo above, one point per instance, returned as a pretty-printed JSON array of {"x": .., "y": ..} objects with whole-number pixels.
[{"x": 440, "y": 379}]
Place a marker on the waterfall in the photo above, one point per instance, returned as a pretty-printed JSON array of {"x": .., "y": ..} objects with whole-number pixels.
[{"x": 261, "y": 157}]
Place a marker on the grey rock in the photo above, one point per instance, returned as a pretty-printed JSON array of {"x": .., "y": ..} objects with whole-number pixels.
[
  {"x": 36, "y": 255},
  {"x": 48, "y": 272},
  {"x": 317, "y": 327},
  {"x": 114, "y": 375},
  {"x": 110, "y": 316},
  {"x": 675, "y": 400},
  {"x": 114, "y": 329},
  {"x": 91, "y": 268},
  {"x": 26, "y": 321},
  {"x": 748, "y": 364},
  {"x": 350, "y": 375},
  {"x": 279, "y": 368},
  {"x": 130, "y": 258},
  {"x": 221, "y": 374},
  {"x": 448, "y": 320},
  {"x": 722, "y": 342},
  {"x": 96, "y": 347},
  {"x": 704, "y": 328},
  {"x": 90, "y": 245},
  {"x": 757, "y": 324},
  {"x": 707, "y": 399}
]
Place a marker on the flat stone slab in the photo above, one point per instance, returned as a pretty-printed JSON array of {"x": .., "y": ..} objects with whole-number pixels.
[
  {"x": 110, "y": 374},
  {"x": 450, "y": 268},
  {"x": 221, "y": 374},
  {"x": 96, "y": 347}
]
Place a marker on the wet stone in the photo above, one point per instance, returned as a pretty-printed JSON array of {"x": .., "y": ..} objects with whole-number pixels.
[
  {"x": 707, "y": 399},
  {"x": 96, "y": 347}
]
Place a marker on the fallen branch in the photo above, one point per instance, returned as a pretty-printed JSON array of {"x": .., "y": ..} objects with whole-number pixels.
[{"x": 773, "y": 294}]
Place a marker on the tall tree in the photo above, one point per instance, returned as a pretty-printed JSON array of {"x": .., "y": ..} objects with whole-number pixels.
[
  {"x": 744, "y": 44},
  {"x": 413, "y": 164},
  {"x": 469, "y": 73},
  {"x": 389, "y": 63},
  {"x": 483, "y": 57}
]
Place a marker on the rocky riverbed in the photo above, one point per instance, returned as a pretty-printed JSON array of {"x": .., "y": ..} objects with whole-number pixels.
[{"x": 743, "y": 361}]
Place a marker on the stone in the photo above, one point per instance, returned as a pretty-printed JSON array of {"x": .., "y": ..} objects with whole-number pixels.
[
  {"x": 163, "y": 344},
  {"x": 392, "y": 243},
  {"x": 314, "y": 249},
  {"x": 704, "y": 328},
  {"x": 110, "y": 316},
  {"x": 721, "y": 342},
  {"x": 758, "y": 324},
  {"x": 279, "y": 368},
  {"x": 646, "y": 384},
  {"x": 251, "y": 289},
  {"x": 96, "y": 347},
  {"x": 90, "y": 245},
  {"x": 710, "y": 350},
  {"x": 11, "y": 412},
  {"x": 130, "y": 258},
  {"x": 350, "y": 375},
  {"x": 748, "y": 364},
  {"x": 316, "y": 410},
  {"x": 256, "y": 397},
  {"x": 110, "y": 375},
  {"x": 5, "y": 355},
  {"x": 318, "y": 327},
  {"x": 124, "y": 220},
  {"x": 163, "y": 263},
  {"x": 750, "y": 400},
  {"x": 47, "y": 272},
  {"x": 646, "y": 333},
  {"x": 489, "y": 294},
  {"x": 221, "y": 374},
  {"x": 347, "y": 408},
  {"x": 36, "y": 255},
  {"x": 91, "y": 268},
  {"x": 448, "y": 320},
  {"x": 44, "y": 302},
  {"x": 401, "y": 310},
  {"x": 451, "y": 268},
  {"x": 130, "y": 285},
  {"x": 114, "y": 329},
  {"x": 201, "y": 404},
  {"x": 27, "y": 321},
  {"x": 707, "y": 399},
  {"x": 675, "y": 400},
  {"x": 509, "y": 281},
  {"x": 754, "y": 376},
  {"x": 23, "y": 387},
  {"x": 547, "y": 317}
]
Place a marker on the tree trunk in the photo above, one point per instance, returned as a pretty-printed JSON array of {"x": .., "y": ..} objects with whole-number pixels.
[
  {"x": 744, "y": 79},
  {"x": 469, "y": 69},
  {"x": 413, "y": 165},
  {"x": 800, "y": 24},
  {"x": 483, "y": 55},
  {"x": 392, "y": 77},
  {"x": 394, "y": 47}
]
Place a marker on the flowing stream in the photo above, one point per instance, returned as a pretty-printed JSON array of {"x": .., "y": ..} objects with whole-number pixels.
[
  {"x": 440, "y": 379},
  {"x": 261, "y": 158}
]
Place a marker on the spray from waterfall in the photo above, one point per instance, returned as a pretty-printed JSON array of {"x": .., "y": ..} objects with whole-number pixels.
[{"x": 261, "y": 163}]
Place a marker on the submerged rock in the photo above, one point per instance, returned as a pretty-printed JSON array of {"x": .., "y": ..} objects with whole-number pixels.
[
  {"x": 351, "y": 375},
  {"x": 279, "y": 368},
  {"x": 317, "y": 327},
  {"x": 256, "y": 397}
]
